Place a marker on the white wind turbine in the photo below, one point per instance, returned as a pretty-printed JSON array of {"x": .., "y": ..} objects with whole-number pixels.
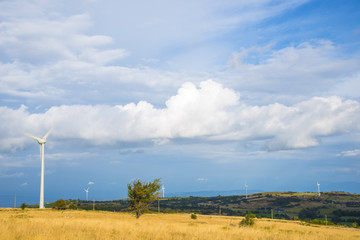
[
  {"x": 42, "y": 142},
  {"x": 87, "y": 193},
  {"x": 318, "y": 186},
  {"x": 246, "y": 186},
  {"x": 163, "y": 190}
]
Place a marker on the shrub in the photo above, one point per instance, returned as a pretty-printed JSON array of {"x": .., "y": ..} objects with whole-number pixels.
[
  {"x": 248, "y": 220},
  {"x": 309, "y": 213},
  {"x": 72, "y": 206},
  {"x": 193, "y": 216},
  {"x": 23, "y": 206},
  {"x": 60, "y": 204}
]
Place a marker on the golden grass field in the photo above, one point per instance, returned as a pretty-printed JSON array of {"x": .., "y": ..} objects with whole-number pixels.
[{"x": 54, "y": 224}]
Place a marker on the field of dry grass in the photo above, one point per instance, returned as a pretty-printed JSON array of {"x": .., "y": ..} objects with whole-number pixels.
[{"x": 53, "y": 224}]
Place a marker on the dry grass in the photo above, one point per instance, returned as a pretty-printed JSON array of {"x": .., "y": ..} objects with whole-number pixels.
[{"x": 52, "y": 224}]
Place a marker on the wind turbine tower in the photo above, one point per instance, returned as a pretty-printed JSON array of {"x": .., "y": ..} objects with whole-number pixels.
[
  {"x": 87, "y": 193},
  {"x": 246, "y": 186},
  {"x": 42, "y": 142},
  {"x": 163, "y": 190},
  {"x": 318, "y": 186}
]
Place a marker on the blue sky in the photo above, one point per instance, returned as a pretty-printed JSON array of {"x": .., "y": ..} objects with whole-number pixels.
[{"x": 206, "y": 95}]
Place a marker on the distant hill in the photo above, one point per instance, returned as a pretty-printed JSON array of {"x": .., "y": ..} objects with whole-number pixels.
[
  {"x": 337, "y": 207},
  {"x": 211, "y": 193}
]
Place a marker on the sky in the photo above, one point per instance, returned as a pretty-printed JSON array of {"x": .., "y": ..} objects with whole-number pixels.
[{"x": 206, "y": 95}]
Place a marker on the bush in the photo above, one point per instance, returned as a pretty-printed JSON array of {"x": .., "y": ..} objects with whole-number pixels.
[
  {"x": 309, "y": 213},
  {"x": 320, "y": 222},
  {"x": 72, "y": 206},
  {"x": 60, "y": 204},
  {"x": 248, "y": 220},
  {"x": 23, "y": 206},
  {"x": 193, "y": 216}
]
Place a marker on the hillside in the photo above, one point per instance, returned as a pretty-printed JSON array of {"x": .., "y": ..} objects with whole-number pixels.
[{"x": 337, "y": 207}]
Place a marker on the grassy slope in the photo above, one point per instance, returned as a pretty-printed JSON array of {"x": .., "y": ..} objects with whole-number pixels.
[{"x": 69, "y": 224}]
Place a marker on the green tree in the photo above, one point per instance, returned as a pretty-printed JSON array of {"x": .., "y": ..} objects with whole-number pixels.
[
  {"x": 309, "y": 213},
  {"x": 72, "y": 206},
  {"x": 248, "y": 220},
  {"x": 141, "y": 194},
  {"x": 23, "y": 206},
  {"x": 60, "y": 204}
]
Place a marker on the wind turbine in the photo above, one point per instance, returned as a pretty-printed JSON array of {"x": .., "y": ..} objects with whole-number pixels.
[
  {"x": 87, "y": 193},
  {"x": 318, "y": 186},
  {"x": 42, "y": 142},
  {"x": 163, "y": 190},
  {"x": 246, "y": 186}
]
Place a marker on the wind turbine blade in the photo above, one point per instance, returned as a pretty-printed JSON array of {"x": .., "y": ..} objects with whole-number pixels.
[
  {"x": 33, "y": 137},
  {"x": 47, "y": 134}
]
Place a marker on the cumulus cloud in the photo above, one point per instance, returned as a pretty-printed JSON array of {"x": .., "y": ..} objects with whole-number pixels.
[{"x": 206, "y": 112}]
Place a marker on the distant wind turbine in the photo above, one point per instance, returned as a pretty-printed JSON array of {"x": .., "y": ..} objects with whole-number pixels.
[
  {"x": 318, "y": 186},
  {"x": 246, "y": 186},
  {"x": 163, "y": 190},
  {"x": 42, "y": 142},
  {"x": 87, "y": 193}
]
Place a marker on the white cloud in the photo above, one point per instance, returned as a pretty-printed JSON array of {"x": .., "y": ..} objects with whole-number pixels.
[
  {"x": 12, "y": 175},
  {"x": 167, "y": 24},
  {"x": 202, "y": 179},
  {"x": 57, "y": 58},
  {"x": 66, "y": 156},
  {"x": 52, "y": 58},
  {"x": 91, "y": 183},
  {"x": 24, "y": 184},
  {"x": 348, "y": 86},
  {"x": 351, "y": 153},
  {"x": 45, "y": 41},
  {"x": 309, "y": 68},
  {"x": 160, "y": 141},
  {"x": 208, "y": 112}
]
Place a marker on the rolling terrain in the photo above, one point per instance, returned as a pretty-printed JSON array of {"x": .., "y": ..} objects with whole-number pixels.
[{"x": 336, "y": 207}]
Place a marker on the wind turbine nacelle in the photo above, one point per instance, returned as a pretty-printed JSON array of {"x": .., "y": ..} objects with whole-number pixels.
[{"x": 41, "y": 141}]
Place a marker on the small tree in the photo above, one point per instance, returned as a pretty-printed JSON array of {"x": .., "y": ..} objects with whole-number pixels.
[
  {"x": 72, "y": 206},
  {"x": 60, "y": 204},
  {"x": 23, "y": 206},
  {"x": 248, "y": 220},
  {"x": 141, "y": 194}
]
